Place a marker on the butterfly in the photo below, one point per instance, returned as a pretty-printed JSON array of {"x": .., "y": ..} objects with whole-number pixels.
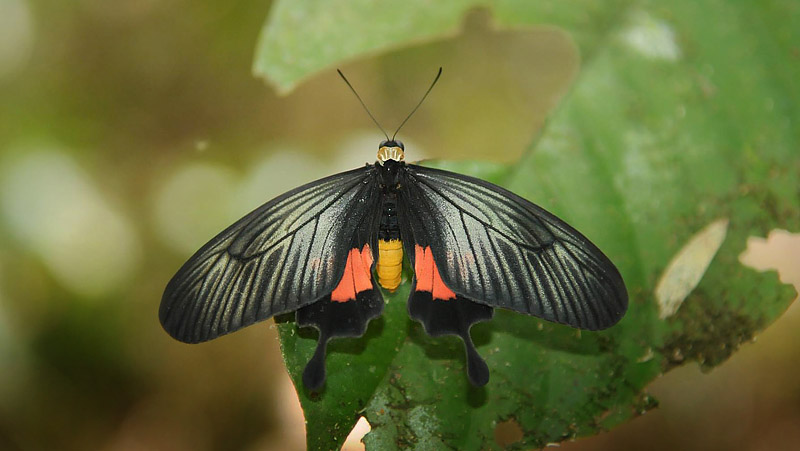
[{"x": 322, "y": 250}]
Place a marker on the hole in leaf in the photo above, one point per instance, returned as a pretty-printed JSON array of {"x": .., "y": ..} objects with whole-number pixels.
[
  {"x": 778, "y": 252},
  {"x": 507, "y": 432},
  {"x": 353, "y": 441}
]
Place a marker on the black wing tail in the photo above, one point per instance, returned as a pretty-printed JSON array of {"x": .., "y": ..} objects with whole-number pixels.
[
  {"x": 334, "y": 319},
  {"x": 453, "y": 317}
]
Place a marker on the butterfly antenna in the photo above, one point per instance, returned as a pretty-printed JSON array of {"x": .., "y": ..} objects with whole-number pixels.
[
  {"x": 363, "y": 104},
  {"x": 439, "y": 74}
]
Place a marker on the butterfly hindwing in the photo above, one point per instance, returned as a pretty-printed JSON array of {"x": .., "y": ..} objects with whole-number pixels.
[
  {"x": 288, "y": 253},
  {"x": 354, "y": 301},
  {"x": 501, "y": 250},
  {"x": 431, "y": 302}
]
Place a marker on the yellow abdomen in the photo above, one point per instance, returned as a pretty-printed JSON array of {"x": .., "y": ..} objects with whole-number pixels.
[{"x": 390, "y": 263}]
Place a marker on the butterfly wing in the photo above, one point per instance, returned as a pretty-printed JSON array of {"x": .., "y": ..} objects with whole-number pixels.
[
  {"x": 475, "y": 246},
  {"x": 288, "y": 253},
  {"x": 498, "y": 249}
]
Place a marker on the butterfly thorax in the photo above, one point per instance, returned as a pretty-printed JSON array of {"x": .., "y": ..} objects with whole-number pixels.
[{"x": 389, "y": 266}]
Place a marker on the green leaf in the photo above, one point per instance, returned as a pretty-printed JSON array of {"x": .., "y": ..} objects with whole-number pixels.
[
  {"x": 355, "y": 369},
  {"x": 303, "y": 37},
  {"x": 676, "y": 125}
]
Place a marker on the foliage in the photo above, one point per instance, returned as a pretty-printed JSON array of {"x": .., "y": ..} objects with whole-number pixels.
[{"x": 675, "y": 122}]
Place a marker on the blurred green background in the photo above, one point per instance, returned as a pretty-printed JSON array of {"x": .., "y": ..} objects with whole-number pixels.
[{"x": 132, "y": 131}]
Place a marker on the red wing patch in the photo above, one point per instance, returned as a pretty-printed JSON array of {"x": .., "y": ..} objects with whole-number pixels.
[
  {"x": 428, "y": 277},
  {"x": 357, "y": 275}
]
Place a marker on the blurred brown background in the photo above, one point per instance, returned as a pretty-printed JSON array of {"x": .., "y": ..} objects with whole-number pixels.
[{"x": 132, "y": 131}]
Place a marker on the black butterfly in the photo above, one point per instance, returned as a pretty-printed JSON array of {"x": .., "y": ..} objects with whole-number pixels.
[{"x": 316, "y": 250}]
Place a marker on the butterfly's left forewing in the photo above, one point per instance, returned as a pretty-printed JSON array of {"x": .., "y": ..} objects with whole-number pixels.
[{"x": 496, "y": 248}]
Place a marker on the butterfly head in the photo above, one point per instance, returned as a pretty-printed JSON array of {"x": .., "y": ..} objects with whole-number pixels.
[{"x": 390, "y": 150}]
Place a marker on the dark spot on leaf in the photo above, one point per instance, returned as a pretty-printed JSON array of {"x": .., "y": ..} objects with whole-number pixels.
[
  {"x": 476, "y": 396},
  {"x": 708, "y": 335}
]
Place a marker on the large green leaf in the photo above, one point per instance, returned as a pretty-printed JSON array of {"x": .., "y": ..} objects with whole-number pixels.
[{"x": 677, "y": 124}]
